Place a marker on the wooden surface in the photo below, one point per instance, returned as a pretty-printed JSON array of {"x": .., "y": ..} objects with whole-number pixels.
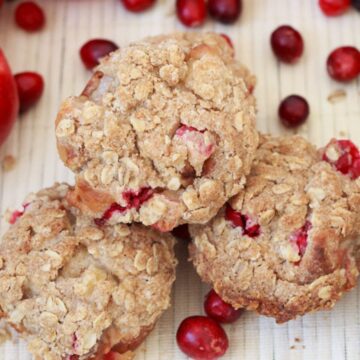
[{"x": 54, "y": 53}]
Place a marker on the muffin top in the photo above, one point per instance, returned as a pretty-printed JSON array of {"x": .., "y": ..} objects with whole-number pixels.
[
  {"x": 75, "y": 291},
  {"x": 164, "y": 132},
  {"x": 285, "y": 245}
]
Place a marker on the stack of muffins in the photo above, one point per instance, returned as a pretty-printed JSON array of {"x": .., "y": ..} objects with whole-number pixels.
[{"x": 163, "y": 135}]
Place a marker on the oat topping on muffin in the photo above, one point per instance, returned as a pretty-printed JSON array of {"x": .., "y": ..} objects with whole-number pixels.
[
  {"x": 75, "y": 291},
  {"x": 284, "y": 246},
  {"x": 163, "y": 134}
]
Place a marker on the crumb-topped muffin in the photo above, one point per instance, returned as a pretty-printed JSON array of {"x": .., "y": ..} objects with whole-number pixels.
[
  {"x": 285, "y": 246},
  {"x": 75, "y": 291},
  {"x": 163, "y": 134}
]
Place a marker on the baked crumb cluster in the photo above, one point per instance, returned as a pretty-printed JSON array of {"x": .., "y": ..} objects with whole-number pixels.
[
  {"x": 285, "y": 245},
  {"x": 173, "y": 116},
  {"x": 75, "y": 290}
]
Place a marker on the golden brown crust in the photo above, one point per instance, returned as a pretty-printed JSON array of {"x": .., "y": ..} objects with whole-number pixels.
[
  {"x": 85, "y": 198},
  {"x": 277, "y": 273},
  {"x": 72, "y": 288},
  {"x": 152, "y": 116}
]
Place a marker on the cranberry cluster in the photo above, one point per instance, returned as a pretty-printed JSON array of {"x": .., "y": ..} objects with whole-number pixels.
[
  {"x": 202, "y": 337},
  {"x": 193, "y": 13}
]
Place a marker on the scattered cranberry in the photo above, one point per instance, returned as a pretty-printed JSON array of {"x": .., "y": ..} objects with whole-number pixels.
[
  {"x": 287, "y": 44},
  {"x": 225, "y": 11},
  {"x": 9, "y": 99},
  {"x": 30, "y": 16},
  {"x": 228, "y": 40},
  {"x": 249, "y": 227},
  {"x": 14, "y": 216},
  {"x": 293, "y": 111},
  {"x": 219, "y": 310},
  {"x": 133, "y": 199},
  {"x": 182, "y": 232},
  {"x": 344, "y": 156},
  {"x": 30, "y": 87},
  {"x": 334, "y": 7},
  {"x": 191, "y": 13},
  {"x": 138, "y": 5},
  {"x": 202, "y": 338},
  {"x": 356, "y": 4},
  {"x": 300, "y": 237},
  {"x": 92, "y": 51},
  {"x": 343, "y": 64}
]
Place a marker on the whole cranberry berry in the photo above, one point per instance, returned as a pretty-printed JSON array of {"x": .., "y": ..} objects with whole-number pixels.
[
  {"x": 138, "y": 5},
  {"x": 334, "y": 7},
  {"x": 356, "y": 4},
  {"x": 191, "y": 13},
  {"x": 93, "y": 50},
  {"x": 29, "y": 16},
  {"x": 202, "y": 338},
  {"x": 30, "y": 86},
  {"x": 343, "y": 64},
  {"x": 225, "y": 11},
  {"x": 219, "y": 310},
  {"x": 287, "y": 44},
  {"x": 293, "y": 111}
]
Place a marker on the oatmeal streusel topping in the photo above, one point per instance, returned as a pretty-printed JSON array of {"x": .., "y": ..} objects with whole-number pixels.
[
  {"x": 74, "y": 290},
  {"x": 285, "y": 246},
  {"x": 174, "y": 114}
]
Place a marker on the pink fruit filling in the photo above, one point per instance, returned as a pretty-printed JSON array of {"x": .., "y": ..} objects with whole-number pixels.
[
  {"x": 195, "y": 140},
  {"x": 249, "y": 227},
  {"x": 344, "y": 156},
  {"x": 133, "y": 199},
  {"x": 17, "y": 214},
  {"x": 300, "y": 237}
]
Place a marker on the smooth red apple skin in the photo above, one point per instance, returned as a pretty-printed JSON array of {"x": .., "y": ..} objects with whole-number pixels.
[{"x": 9, "y": 99}]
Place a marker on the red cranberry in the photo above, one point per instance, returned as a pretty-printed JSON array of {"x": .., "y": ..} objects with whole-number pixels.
[
  {"x": 182, "y": 232},
  {"x": 219, "y": 310},
  {"x": 287, "y": 44},
  {"x": 92, "y": 51},
  {"x": 138, "y": 5},
  {"x": 30, "y": 86},
  {"x": 202, "y": 338},
  {"x": 114, "y": 208},
  {"x": 344, "y": 156},
  {"x": 228, "y": 40},
  {"x": 300, "y": 237},
  {"x": 249, "y": 227},
  {"x": 133, "y": 199},
  {"x": 191, "y": 13},
  {"x": 334, "y": 7},
  {"x": 293, "y": 111},
  {"x": 225, "y": 11},
  {"x": 343, "y": 64},
  {"x": 356, "y": 4},
  {"x": 15, "y": 215},
  {"x": 30, "y": 16},
  {"x": 111, "y": 356}
]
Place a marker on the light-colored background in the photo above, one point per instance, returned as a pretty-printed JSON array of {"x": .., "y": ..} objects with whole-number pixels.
[{"x": 54, "y": 53}]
